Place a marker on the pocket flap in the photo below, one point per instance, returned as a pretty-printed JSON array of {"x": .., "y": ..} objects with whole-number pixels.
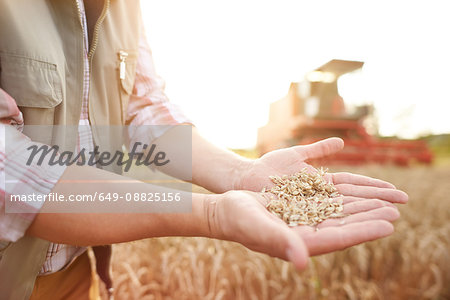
[{"x": 32, "y": 83}]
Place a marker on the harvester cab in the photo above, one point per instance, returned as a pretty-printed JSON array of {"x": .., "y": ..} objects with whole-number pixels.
[
  {"x": 319, "y": 95},
  {"x": 314, "y": 110}
]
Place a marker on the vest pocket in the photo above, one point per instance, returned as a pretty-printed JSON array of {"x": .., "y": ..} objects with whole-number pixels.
[{"x": 32, "y": 83}]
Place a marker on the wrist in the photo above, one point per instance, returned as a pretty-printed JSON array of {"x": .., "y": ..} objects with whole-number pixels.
[
  {"x": 211, "y": 215},
  {"x": 239, "y": 173},
  {"x": 189, "y": 224}
]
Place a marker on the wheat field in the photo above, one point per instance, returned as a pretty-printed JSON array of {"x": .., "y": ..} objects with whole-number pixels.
[{"x": 413, "y": 263}]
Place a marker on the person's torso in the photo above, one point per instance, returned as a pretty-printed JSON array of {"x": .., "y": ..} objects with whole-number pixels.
[
  {"x": 41, "y": 60},
  {"x": 42, "y": 63}
]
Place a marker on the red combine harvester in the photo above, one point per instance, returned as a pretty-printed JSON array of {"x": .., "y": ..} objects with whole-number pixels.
[{"x": 313, "y": 110}]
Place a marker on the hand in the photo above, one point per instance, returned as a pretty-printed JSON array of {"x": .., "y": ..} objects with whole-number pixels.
[
  {"x": 236, "y": 216},
  {"x": 291, "y": 160}
]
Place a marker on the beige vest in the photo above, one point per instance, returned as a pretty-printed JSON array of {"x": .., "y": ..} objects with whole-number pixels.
[{"x": 41, "y": 61}]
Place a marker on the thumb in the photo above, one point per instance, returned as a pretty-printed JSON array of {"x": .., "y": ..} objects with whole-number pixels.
[
  {"x": 296, "y": 251},
  {"x": 280, "y": 240},
  {"x": 241, "y": 217},
  {"x": 320, "y": 149}
]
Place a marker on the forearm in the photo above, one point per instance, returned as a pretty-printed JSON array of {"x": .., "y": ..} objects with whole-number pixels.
[
  {"x": 106, "y": 228},
  {"x": 213, "y": 168}
]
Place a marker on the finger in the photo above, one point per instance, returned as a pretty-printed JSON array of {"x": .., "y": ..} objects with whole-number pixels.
[
  {"x": 365, "y": 205},
  {"x": 390, "y": 195},
  {"x": 320, "y": 149},
  {"x": 337, "y": 238},
  {"x": 350, "y": 199},
  {"x": 355, "y": 179},
  {"x": 384, "y": 213}
]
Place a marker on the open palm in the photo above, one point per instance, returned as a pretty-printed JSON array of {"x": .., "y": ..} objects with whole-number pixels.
[
  {"x": 291, "y": 160},
  {"x": 236, "y": 216}
]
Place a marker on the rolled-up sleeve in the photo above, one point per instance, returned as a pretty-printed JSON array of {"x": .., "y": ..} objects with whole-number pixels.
[
  {"x": 148, "y": 104},
  {"x": 17, "y": 177}
]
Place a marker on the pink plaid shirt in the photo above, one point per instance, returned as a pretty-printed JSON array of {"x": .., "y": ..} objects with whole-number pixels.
[{"x": 148, "y": 105}]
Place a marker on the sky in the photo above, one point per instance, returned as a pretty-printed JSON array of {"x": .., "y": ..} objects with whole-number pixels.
[{"x": 224, "y": 62}]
